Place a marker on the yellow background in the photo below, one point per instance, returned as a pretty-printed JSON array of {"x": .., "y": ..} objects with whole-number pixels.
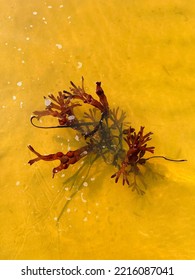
[{"x": 144, "y": 53}]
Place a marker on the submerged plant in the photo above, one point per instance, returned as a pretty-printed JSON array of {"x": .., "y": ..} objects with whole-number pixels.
[{"x": 104, "y": 130}]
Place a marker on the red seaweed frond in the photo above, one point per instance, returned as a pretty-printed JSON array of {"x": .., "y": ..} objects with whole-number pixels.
[
  {"x": 59, "y": 107},
  {"x": 71, "y": 157},
  {"x": 80, "y": 93},
  {"x": 137, "y": 144},
  {"x": 62, "y": 107}
]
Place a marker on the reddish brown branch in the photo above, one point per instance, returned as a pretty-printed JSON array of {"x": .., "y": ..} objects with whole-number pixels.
[
  {"x": 134, "y": 156},
  {"x": 70, "y": 157}
]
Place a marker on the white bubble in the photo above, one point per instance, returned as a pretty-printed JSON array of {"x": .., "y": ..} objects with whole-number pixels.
[
  {"x": 79, "y": 65},
  {"x": 85, "y": 184},
  {"x": 17, "y": 183},
  {"x": 83, "y": 154},
  {"x": 35, "y": 13},
  {"x": 47, "y": 102},
  {"x": 14, "y": 97},
  {"x": 82, "y": 198},
  {"x": 59, "y": 46},
  {"x": 71, "y": 118},
  {"x": 19, "y": 84}
]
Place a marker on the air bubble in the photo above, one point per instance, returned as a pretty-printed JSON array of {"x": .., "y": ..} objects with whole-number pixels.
[
  {"x": 71, "y": 118},
  {"x": 47, "y": 102},
  {"x": 82, "y": 198},
  {"x": 59, "y": 46},
  {"x": 19, "y": 84},
  {"x": 79, "y": 65}
]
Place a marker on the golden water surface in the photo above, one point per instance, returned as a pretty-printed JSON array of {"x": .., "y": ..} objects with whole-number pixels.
[{"x": 143, "y": 53}]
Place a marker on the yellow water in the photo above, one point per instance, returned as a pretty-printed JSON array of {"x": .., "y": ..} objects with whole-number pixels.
[{"x": 143, "y": 52}]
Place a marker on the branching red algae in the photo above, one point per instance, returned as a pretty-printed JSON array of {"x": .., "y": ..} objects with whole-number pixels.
[{"x": 103, "y": 135}]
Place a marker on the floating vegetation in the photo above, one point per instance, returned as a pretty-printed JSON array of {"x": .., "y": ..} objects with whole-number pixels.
[{"x": 106, "y": 134}]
